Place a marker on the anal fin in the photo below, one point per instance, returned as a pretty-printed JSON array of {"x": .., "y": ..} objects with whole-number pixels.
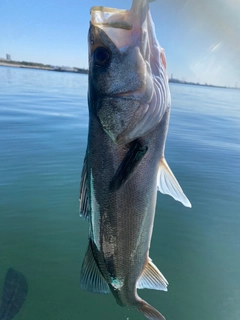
[
  {"x": 91, "y": 278},
  {"x": 168, "y": 184},
  {"x": 152, "y": 278}
]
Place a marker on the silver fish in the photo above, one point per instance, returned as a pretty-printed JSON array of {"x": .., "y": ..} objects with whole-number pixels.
[{"x": 129, "y": 107}]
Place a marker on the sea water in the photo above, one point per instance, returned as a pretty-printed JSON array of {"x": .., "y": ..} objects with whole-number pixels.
[{"x": 43, "y": 136}]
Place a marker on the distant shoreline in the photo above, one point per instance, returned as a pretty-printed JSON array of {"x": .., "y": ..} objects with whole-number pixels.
[
  {"x": 172, "y": 80},
  {"x": 39, "y": 66}
]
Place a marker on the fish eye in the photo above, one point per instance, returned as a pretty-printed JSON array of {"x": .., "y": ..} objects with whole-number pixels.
[{"x": 101, "y": 56}]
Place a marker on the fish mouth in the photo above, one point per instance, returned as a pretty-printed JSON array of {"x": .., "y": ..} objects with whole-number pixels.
[
  {"x": 115, "y": 23},
  {"x": 120, "y": 18},
  {"x": 124, "y": 27},
  {"x": 110, "y": 17}
]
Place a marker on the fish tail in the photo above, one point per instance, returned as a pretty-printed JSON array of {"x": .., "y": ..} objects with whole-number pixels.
[{"x": 149, "y": 312}]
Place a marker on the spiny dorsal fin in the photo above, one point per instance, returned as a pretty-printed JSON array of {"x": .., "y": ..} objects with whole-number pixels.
[
  {"x": 91, "y": 278},
  {"x": 84, "y": 208},
  {"x": 152, "y": 278},
  {"x": 168, "y": 184}
]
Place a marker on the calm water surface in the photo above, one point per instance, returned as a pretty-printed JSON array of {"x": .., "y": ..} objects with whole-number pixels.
[{"x": 43, "y": 134}]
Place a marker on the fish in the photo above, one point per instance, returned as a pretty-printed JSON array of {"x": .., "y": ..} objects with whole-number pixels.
[
  {"x": 124, "y": 166},
  {"x": 14, "y": 294}
]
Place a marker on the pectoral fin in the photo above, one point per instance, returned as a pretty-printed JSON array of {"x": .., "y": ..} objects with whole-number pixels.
[
  {"x": 152, "y": 278},
  {"x": 91, "y": 278},
  {"x": 84, "y": 208},
  {"x": 128, "y": 165},
  {"x": 168, "y": 184}
]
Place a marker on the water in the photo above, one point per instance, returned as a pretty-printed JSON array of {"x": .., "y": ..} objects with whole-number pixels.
[{"x": 43, "y": 134}]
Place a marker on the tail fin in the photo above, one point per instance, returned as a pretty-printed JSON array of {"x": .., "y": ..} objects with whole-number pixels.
[{"x": 150, "y": 312}]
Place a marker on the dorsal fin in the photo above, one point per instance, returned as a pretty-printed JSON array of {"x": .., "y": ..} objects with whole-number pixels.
[
  {"x": 168, "y": 184},
  {"x": 152, "y": 278}
]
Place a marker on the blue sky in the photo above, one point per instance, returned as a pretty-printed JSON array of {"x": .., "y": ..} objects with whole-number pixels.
[{"x": 201, "y": 38}]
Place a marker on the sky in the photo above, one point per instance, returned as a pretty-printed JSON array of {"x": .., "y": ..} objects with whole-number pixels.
[{"x": 201, "y": 38}]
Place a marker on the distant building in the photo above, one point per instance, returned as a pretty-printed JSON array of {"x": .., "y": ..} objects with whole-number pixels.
[{"x": 8, "y": 57}]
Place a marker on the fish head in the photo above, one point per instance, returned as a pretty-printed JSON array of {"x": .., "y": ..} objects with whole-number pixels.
[{"x": 128, "y": 86}]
